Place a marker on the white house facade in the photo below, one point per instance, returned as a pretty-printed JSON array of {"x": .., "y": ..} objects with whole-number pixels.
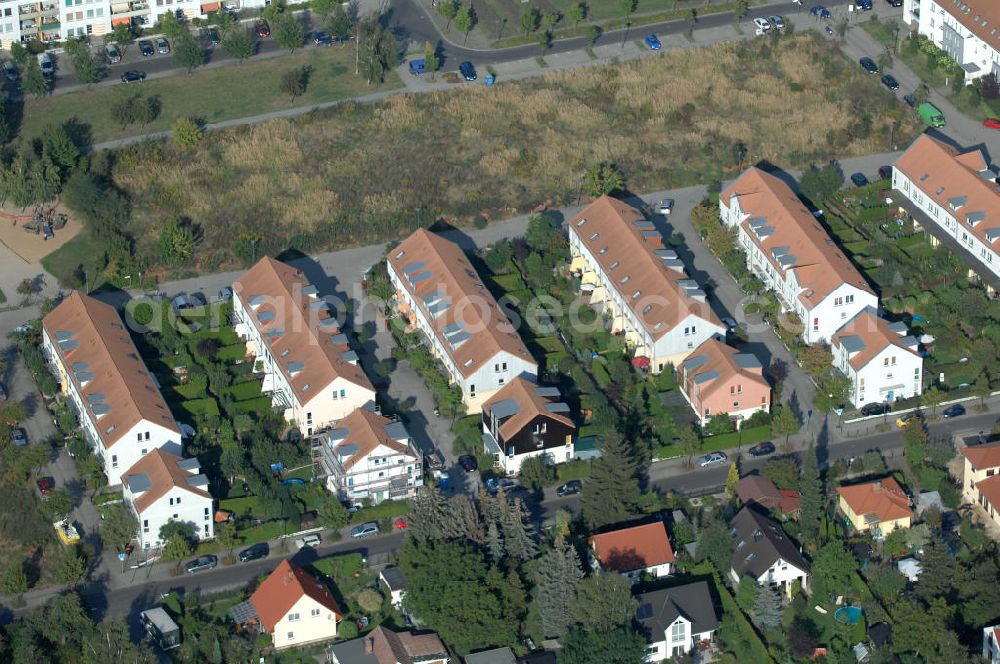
[
  {"x": 879, "y": 358},
  {"x": 439, "y": 293},
  {"x": 161, "y": 488},
  {"x": 991, "y": 644},
  {"x": 967, "y": 30},
  {"x": 676, "y": 620},
  {"x": 121, "y": 412},
  {"x": 763, "y": 551},
  {"x": 641, "y": 285},
  {"x": 293, "y": 606},
  {"x": 788, "y": 250}
]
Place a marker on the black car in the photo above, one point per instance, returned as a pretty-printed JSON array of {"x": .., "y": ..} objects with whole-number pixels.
[
  {"x": 468, "y": 71},
  {"x": 868, "y": 65},
  {"x": 571, "y": 488},
  {"x": 468, "y": 463},
  {"x": 895, "y": 3},
  {"x": 202, "y": 563},
  {"x": 859, "y": 179},
  {"x": 885, "y": 172},
  {"x": 146, "y": 48},
  {"x": 763, "y": 449},
  {"x": 323, "y": 39},
  {"x": 956, "y": 410},
  {"x": 910, "y": 100},
  {"x": 254, "y": 552},
  {"x": 890, "y": 82},
  {"x": 874, "y": 409},
  {"x": 213, "y": 37},
  {"x": 133, "y": 76}
]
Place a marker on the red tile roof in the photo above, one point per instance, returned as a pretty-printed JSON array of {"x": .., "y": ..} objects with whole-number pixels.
[
  {"x": 164, "y": 474},
  {"x": 525, "y": 394},
  {"x": 366, "y": 431},
  {"x": 279, "y": 592},
  {"x": 758, "y": 489},
  {"x": 884, "y": 498},
  {"x": 634, "y": 548},
  {"x": 990, "y": 490},
  {"x": 725, "y": 363},
  {"x": 983, "y": 456},
  {"x": 980, "y": 17},
  {"x": 390, "y": 647},
  {"x": 875, "y": 335}
]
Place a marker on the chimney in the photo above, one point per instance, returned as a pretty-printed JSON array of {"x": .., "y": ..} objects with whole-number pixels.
[
  {"x": 369, "y": 645},
  {"x": 877, "y": 488}
]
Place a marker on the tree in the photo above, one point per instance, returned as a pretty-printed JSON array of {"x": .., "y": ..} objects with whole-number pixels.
[
  {"x": 801, "y": 640},
  {"x": 815, "y": 359},
  {"x": 227, "y": 536},
  {"x": 34, "y": 80},
  {"x": 688, "y": 443},
  {"x": 177, "y": 547},
  {"x": 746, "y": 593},
  {"x": 818, "y": 184},
  {"x": 340, "y": 23},
  {"x": 536, "y": 473},
  {"x": 288, "y": 32},
  {"x": 448, "y": 10},
  {"x": 623, "y": 645},
  {"x": 603, "y": 179},
  {"x": 71, "y": 567},
  {"x": 731, "y": 479},
  {"x": 784, "y": 423},
  {"x": 834, "y": 568},
  {"x": 593, "y": 33},
  {"x": 84, "y": 64},
  {"x": 612, "y": 494},
  {"x": 767, "y": 607},
  {"x": 237, "y": 44},
  {"x": 627, "y": 7},
  {"x": 14, "y": 581},
  {"x": 134, "y": 109},
  {"x": 431, "y": 62},
  {"x": 832, "y": 391},
  {"x": 714, "y": 545},
  {"x": 176, "y": 242},
  {"x": 529, "y": 18},
  {"x": 19, "y": 54},
  {"x": 323, "y": 7},
  {"x": 293, "y": 82},
  {"x": 118, "y": 527},
  {"x": 576, "y": 13},
  {"x": 811, "y": 491},
  {"x": 170, "y": 26},
  {"x": 332, "y": 513},
  {"x": 842, "y": 26},
  {"x": 378, "y": 51},
  {"x": 719, "y": 423},
  {"x": 989, "y": 86},
  {"x": 188, "y": 52},
  {"x": 186, "y": 132},
  {"x": 515, "y": 529},
  {"x": 59, "y": 148},
  {"x": 604, "y": 602},
  {"x": 558, "y": 574},
  {"x": 938, "y": 574},
  {"x": 121, "y": 35},
  {"x": 918, "y": 629},
  {"x": 465, "y": 19},
  {"x": 933, "y": 396}
]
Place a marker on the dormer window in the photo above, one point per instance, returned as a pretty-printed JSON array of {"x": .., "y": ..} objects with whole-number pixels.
[{"x": 593, "y": 237}]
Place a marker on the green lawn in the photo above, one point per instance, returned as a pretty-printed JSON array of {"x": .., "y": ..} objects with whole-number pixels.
[
  {"x": 80, "y": 250},
  {"x": 208, "y": 95}
]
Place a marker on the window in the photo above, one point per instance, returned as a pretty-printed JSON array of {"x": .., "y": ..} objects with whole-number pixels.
[
  {"x": 293, "y": 617},
  {"x": 472, "y": 390},
  {"x": 677, "y": 631},
  {"x": 885, "y": 362},
  {"x": 114, "y": 460},
  {"x": 145, "y": 525},
  {"x": 849, "y": 299},
  {"x": 206, "y": 511},
  {"x": 838, "y": 301},
  {"x": 206, "y": 530},
  {"x": 736, "y": 404},
  {"x": 314, "y": 613},
  {"x": 144, "y": 450},
  {"x": 139, "y": 437},
  {"x": 291, "y": 635},
  {"x": 343, "y": 393},
  {"x": 147, "y": 435},
  {"x": 893, "y": 360},
  {"x": 171, "y": 501},
  {"x": 178, "y": 500},
  {"x": 335, "y": 394},
  {"x": 815, "y": 325}
]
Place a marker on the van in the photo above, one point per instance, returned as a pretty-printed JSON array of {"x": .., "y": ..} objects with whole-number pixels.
[
  {"x": 931, "y": 114},
  {"x": 418, "y": 66},
  {"x": 114, "y": 55},
  {"x": 47, "y": 65}
]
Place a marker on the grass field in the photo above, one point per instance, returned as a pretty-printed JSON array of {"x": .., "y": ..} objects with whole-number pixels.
[{"x": 210, "y": 95}]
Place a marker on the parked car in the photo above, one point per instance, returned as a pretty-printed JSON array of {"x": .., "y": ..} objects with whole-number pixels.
[
  {"x": 262, "y": 29},
  {"x": 991, "y": 123},
  {"x": 730, "y": 323},
  {"x": 47, "y": 64},
  {"x": 10, "y": 70},
  {"x": 859, "y": 179},
  {"x": 418, "y": 66},
  {"x": 225, "y": 294},
  {"x": 162, "y": 45},
  {"x": 910, "y": 100},
  {"x": 311, "y": 541},
  {"x": 762, "y": 449},
  {"x": 45, "y": 485},
  {"x": 894, "y": 3},
  {"x": 24, "y": 328},
  {"x": 181, "y": 302},
  {"x": 570, "y": 488},
  {"x": 820, "y": 11},
  {"x": 213, "y": 37},
  {"x": 133, "y": 76},
  {"x": 885, "y": 172},
  {"x": 666, "y": 206},
  {"x": 890, "y": 82},
  {"x": 874, "y": 409},
  {"x": 201, "y": 563},
  {"x": 712, "y": 459},
  {"x": 494, "y": 485},
  {"x": 352, "y": 508},
  {"x": 777, "y": 22},
  {"x": 113, "y": 52},
  {"x": 255, "y": 552},
  {"x": 323, "y": 39},
  {"x": 868, "y": 65},
  {"x": 468, "y": 71},
  {"x": 761, "y": 25},
  {"x": 468, "y": 463},
  {"x": 653, "y": 42},
  {"x": 956, "y": 410},
  {"x": 18, "y": 437},
  {"x": 146, "y": 48},
  {"x": 365, "y": 530},
  {"x": 904, "y": 420}
]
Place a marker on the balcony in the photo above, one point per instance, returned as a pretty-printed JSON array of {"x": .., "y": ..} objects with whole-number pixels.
[{"x": 120, "y": 9}]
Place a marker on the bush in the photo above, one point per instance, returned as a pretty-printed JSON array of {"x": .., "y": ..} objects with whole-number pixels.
[{"x": 347, "y": 629}]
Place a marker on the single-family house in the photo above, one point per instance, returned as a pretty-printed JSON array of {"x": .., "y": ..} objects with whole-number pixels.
[
  {"x": 759, "y": 490},
  {"x": 880, "y": 506},
  {"x": 633, "y": 551},
  {"x": 788, "y": 249},
  {"x": 394, "y": 581},
  {"x": 717, "y": 379},
  {"x": 309, "y": 369},
  {"x": 966, "y": 30},
  {"x": 991, "y": 644},
  {"x": 677, "y": 620},
  {"x": 523, "y": 420},
  {"x": 879, "y": 358},
  {"x": 367, "y": 455},
  {"x": 763, "y": 550},
  {"x": 641, "y": 284},
  {"x": 439, "y": 293},
  {"x": 493, "y": 656},
  {"x": 160, "y": 488},
  {"x": 383, "y": 646},
  {"x": 291, "y": 605},
  {"x": 118, "y": 403},
  {"x": 981, "y": 478}
]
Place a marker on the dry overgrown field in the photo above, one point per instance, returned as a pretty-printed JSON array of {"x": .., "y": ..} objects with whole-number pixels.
[{"x": 356, "y": 174}]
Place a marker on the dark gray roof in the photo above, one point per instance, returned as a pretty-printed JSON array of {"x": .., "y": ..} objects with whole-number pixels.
[
  {"x": 659, "y": 609},
  {"x": 189, "y": 464},
  {"x": 396, "y": 431},
  {"x": 394, "y": 578},
  {"x": 758, "y": 542},
  {"x": 747, "y": 361},
  {"x": 138, "y": 483},
  {"x": 705, "y": 376},
  {"x": 852, "y": 343},
  {"x": 557, "y": 407},
  {"x": 353, "y": 652},
  {"x": 547, "y": 392},
  {"x": 496, "y": 656},
  {"x": 695, "y": 361}
]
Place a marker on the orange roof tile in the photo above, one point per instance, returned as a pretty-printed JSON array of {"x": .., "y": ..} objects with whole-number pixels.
[
  {"x": 873, "y": 334},
  {"x": 436, "y": 269},
  {"x": 713, "y": 365},
  {"x": 101, "y": 360},
  {"x": 286, "y": 585},
  {"x": 884, "y": 498},
  {"x": 983, "y": 456},
  {"x": 299, "y": 328},
  {"x": 164, "y": 474},
  {"x": 366, "y": 431},
  {"x": 531, "y": 405},
  {"x": 990, "y": 489},
  {"x": 953, "y": 181},
  {"x": 626, "y": 253},
  {"x": 980, "y": 17},
  {"x": 819, "y": 264},
  {"x": 629, "y": 549},
  {"x": 404, "y": 647}
]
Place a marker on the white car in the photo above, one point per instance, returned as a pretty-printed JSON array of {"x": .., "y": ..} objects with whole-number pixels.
[
  {"x": 777, "y": 22},
  {"x": 666, "y": 206},
  {"x": 712, "y": 459},
  {"x": 311, "y": 541},
  {"x": 761, "y": 25}
]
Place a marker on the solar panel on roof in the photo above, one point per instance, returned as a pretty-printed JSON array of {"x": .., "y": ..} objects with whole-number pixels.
[
  {"x": 505, "y": 408},
  {"x": 547, "y": 391},
  {"x": 414, "y": 267}
]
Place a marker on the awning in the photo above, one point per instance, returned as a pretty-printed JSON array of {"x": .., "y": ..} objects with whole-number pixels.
[
  {"x": 640, "y": 362},
  {"x": 210, "y": 7},
  {"x": 120, "y": 21}
]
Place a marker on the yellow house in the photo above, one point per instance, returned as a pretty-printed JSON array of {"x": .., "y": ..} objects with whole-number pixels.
[
  {"x": 880, "y": 506},
  {"x": 294, "y": 607},
  {"x": 981, "y": 478}
]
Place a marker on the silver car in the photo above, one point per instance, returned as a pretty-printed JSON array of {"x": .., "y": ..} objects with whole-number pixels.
[
  {"x": 365, "y": 530},
  {"x": 712, "y": 458},
  {"x": 666, "y": 205},
  {"x": 162, "y": 45}
]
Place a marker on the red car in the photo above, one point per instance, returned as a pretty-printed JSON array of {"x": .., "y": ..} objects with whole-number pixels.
[
  {"x": 992, "y": 123},
  {"x": 262, "y": 29}
]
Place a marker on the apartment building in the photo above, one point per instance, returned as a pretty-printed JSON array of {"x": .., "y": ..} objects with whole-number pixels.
[
  {"x": 879, "y": 358},
  {"x": 640, "y": 284},
  {"x": 121, "y": 411},
  {"x": 161, "y": 488},
  {"x": 717, "y": 379},
  {"x": 788, "y": 249},
  {"x": 954, "y": 195},
  {"x": 439, "y": 293},
  {"x": 967, "y": 30},
  {"x": 524, "y": 420},
  {"x": 370, "y": 456},
  {"x": 309, "y": 369}
]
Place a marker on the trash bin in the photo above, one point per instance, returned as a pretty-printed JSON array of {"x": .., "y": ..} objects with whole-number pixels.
[{"x": 490, "y": 80}]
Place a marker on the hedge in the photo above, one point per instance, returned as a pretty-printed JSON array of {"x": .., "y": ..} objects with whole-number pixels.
[
  {"x": 207, "y": 407},
  {"x": 243, "y": 391},
  {"x": 600, "y": 373},
  {"x": 233, "y": 353},
  {"x": 756, "y": 653},
  {"x": 252, "y": 405}
]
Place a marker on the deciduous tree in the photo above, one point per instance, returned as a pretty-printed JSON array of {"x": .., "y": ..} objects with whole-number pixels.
[
  {"x": 448, "y": 10},
  {"x": 465, "y": 20},
  {"x": 529, "y": 18},
  {"x": 288, "y": 32},
  {"x": 237, "y": 44},
  {"x": 576, "y": 13},
  {"x": 603, "y": 179},
  {"x": 623, "y": 645},
  {"x": 604, "y": 602},
  {"x": 188, "y": 53}
]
